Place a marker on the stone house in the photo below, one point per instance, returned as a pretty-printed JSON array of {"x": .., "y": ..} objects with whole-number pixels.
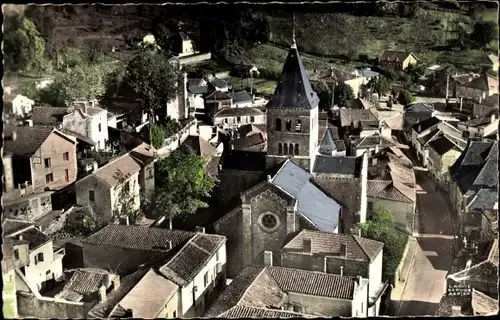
[
  {"x": 195, "y": 262},
  {"x": 251, "y": 137},
  {"x": 479, "y": 127},
  {"x": 219, "y": 85},
  {"x": 38, "y": 159},
  {"x": 18, "y": 105},
  {"x": 230, "y": 118},
  {"x": 353, "y": 118},
  {"x": 30, "y": 207},
  {"x": 11, "y": 260},
  {"x": 342, "y": 254},
  {"x": 181, "y": 44},
  {"x": 241, "y": 99},
  {"x": 216, "y": 101},
  {"x": 416, "y": 113},
  {"x": 83, "y": 119},
  {"x": 482, "y": 216},
  {"x": 397, "y": 60},
  {"x": 128, "y": 175},
  {"x": 472, "y": 171},
  {"x": 478, "y": 88},
  {"x": 299, "y": 291},
  {"x": 443, "y": 153},
  {"x": 487, "y": 107},
  {"x": 39, "y": 263},
  {"x": 272, "y": 210}
]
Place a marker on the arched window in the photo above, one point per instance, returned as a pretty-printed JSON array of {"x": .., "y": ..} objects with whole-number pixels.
[
  {"x": 278, "y": 124},
  {"x": 296, "y": 149},
  {"x": 280, "y": 148},
  {"x": 291, "y": 149},
  {"x": 285, "y": 147},
  {"x": 298, "y": 126},
  {"x": 289, "y": 125}
]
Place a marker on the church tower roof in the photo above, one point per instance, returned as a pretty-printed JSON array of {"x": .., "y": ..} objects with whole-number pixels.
[{"x": 294, "y": 89}]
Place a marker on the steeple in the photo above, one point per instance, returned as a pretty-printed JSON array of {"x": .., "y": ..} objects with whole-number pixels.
[{"x": 294, "y": 44}]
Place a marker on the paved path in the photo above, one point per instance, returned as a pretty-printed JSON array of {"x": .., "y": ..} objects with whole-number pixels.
[{"x": 425, "y": 285}]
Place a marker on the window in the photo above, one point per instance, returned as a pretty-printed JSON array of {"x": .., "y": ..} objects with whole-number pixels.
[
  {"x": 99, "y": 127},
  {"x": 205, "y": 279},
  {"x": 238, "y": 119},
  {"x": 174, "y": 315},
  {"x": 66, "y": 156},
  {"x": 16, "y": 254},
  {"x": 91, "y": 195},
  {"x": 285, "y": 147},
  {"x": 252, "y": 119},
  {"x": 66, "y": 172},
  {"x": 150, "y": 173},
  {"x": 47, "y": 162},
  {"x": 280, "y": 148},
  {"x": 298, "y": 126},
  {"x": 47, "y": 272},
  {"x": 49, "y": 178},
  {"x": 278, "y": 124},
  {"x": 296, "y": 149},
  {"x": 39, "y": 258},
  {"x": 291, "y": 149},
  {"x": 289, "y": 125},
  {"x": 269, "y": 221},
  {"x": 225, "y": 120}
]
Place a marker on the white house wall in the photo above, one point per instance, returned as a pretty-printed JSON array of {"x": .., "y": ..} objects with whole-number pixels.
[{"x": 375, "y": 273}]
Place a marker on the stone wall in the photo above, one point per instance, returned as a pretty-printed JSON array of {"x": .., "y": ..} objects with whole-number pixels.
[
  {"x": 30, "y": 306},
  {"x": 322, "y": 306},
  {"x": 29, "y": 208}
]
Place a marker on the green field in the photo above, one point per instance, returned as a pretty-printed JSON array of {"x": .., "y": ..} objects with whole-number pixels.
[{"x": 260, "y": 85}]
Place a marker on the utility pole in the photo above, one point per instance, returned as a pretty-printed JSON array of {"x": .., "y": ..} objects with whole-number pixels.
[
  {"x": 333, "y": 88},
  {"x": 447, "y": 87}
]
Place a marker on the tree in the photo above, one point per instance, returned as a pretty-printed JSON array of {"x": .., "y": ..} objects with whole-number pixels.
[
  {"x": 127, "y": 205},
  {"x": 484, "y": 32},
  {"x": 182, "y": 185},
  {"x": 380, "y": 85},
  {"x": 153, "y": 79},
  {"x": 324, "y": 92},
  {"x": 382, "y": 228},
  {"x": 343, "y": 93},
  {"x": 405, "y": 98},
  {"x": 83, "y": 222},
  {"x": 157, "y": 136}
]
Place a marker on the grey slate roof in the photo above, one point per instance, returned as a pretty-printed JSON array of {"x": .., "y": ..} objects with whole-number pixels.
[
  {"x": 198, "y": 89},
  {"x": 419, "y": 107},
  {"x": 48, "y": 115},
  {"x": 327, "y": 144},
  {"x": 327, "y": 243},
  {"x": 426, "y": 124},
  {"x": 219, "y": 83},
  {"x": 484, "y": 199},
  {"x": 321, "y": 210},
  {"x": 239, "y": 112},
  {"x": 432, "y": 134},
  {"x": 28, "y": 139},
  {"x": 442, "y": 145},
  {"x": 241, "y": 96},
  {"x": 294, "y": 89},
  {"x": 138, "y": 238},
  {"x": 335, "y": 164},
  {"x": 194, "y": 82},
  {"x": 11, "y": 225}
]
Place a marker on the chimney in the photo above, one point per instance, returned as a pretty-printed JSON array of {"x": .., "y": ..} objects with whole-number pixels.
[
  {"x": 124, "y": 220},
  {"x": 102, "y": 294},
  {"x": 116, "y": 283},
  {"x": 341, "y": 270},
  {"x": 268, "y": 258},
  {"x": 325, "y": 264},
  {"x": 29, "y": 123},
  {"x": 343, "y": 250},
  {"x": 200, "y": 229},
  {"x": 456, "y": 311},
  {"x": 307, "y": 245},
  {"x": 269, "y": 178},
  {"x": 170, "y": 245},
  {"x": 14, "y": 136},
  {"x": 20, "y": 237}
]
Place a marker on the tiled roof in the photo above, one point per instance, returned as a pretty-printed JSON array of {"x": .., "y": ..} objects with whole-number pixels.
[
  {"x": 387, "y": 190},
  {"x": 442, "y": 145},
  {"x": 294, "y": 89},
  {"x": 244, "y": 160},
  {"x": 28, "y": 139},
  {"x": 391, "y": 55},
  {"x": 267, "y": 287},
  {"x": 350, "y": 116},
  {"x": 253, "y": 142},
  {"x": 143, "y": 154},
  {"x": 249, "y": 312},
  {"x": 195, "y": 82},
  {"x": 86, "y": 281},
  {"x": 191, "y": 258},
  {"x": 250, "y": 129},
  {"x": 478, "y": 122},
  {"x": 241, "y": 96},
  {"x": 148, "y": 297},
  {"x": 359, "y": 103},
  {"x": 483, "y": 304},
  {"x": 335, "y": 164},
  {"x": 34, "y": 237},
  {"x": 345, "y": 191},
  {"x": 78, "y": 136},
  {"x": 239, "y": 112},
  {"x": 219, "y": 83},
  {"x": 484, "y": 271},
  {"x": 395, "y": 123},
  {"x": 199, "y": 146},
  {"x": 48, "y": 115},
  {"x": 419, "y": 107},
  {"x": 448, "y": 301},
  {"x": 483, "y": 83},
  {"x": 139, "y": 238},
  {"x": 217, "y": 96},
  {"x": 118, "y": 169},
  {"x": 460, "y": 261},
  {"x": 429, "y": 136},
  {"x": 321, "y": 210},
  {"x": 212, "y": 166},
  {"x": 426, "y": 124},
  {"x": 375, "y": 140},
  {"x": 198, "y": 89},
  {"x": 11, "y": 225},
  {"x": 326, "y": 243}
]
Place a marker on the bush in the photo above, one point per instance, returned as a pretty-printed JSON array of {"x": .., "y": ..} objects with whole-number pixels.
[
  {"x": 157, "y": 136},
  {"x": 82, "y": 223},
  {"x": 405, "y": 98}
]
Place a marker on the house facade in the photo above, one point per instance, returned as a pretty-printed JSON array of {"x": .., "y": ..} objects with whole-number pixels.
[
  {"x": 443, "y": 153},
  {"x": 478, "y": 89},
  {"x": 91, "y": 122},
  {"x": 19, "y": 105},
  {"x": 479, "y": 127},
  {"x": 42, "y": 159},
  {"x": 29, "y": 207},
  {"x": 397, "y": 60},
  {"x": 230, "y": 118}
]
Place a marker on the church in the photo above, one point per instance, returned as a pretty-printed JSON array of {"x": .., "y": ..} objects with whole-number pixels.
[{"x": 299, "y": 183}]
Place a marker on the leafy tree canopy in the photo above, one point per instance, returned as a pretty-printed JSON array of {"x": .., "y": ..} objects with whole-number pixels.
[
  {"x": 182, "y": 185},
  {"x": 405, "y": 98},
  {"x": 83, "y": 222},
  {"x": 380, "y": 85},
  {"x": 343, "y": 93},
  {"x": 483, "y": 33}
]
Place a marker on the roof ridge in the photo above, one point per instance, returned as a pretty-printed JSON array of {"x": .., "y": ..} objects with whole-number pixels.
[
  {"x": 359, "y": 244},
  {"x": 249, "y": 286}
]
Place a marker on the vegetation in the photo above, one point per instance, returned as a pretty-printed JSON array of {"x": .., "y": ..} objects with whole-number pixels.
[
  {"x": 343, "y": 93},
  {"x": 484, "y": 32},
  {"x": 380, "y": 85},
  {"x": 83, "y": 222},
  {"x": 382, "y": 228},
  {"x": 157, "y": 136},
  {"x": 182, "y": 185},
  {"x": 405, "y": 98}
]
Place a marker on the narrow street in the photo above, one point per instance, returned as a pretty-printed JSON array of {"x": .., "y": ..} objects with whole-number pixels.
[{"x": 435, "y": 251}]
